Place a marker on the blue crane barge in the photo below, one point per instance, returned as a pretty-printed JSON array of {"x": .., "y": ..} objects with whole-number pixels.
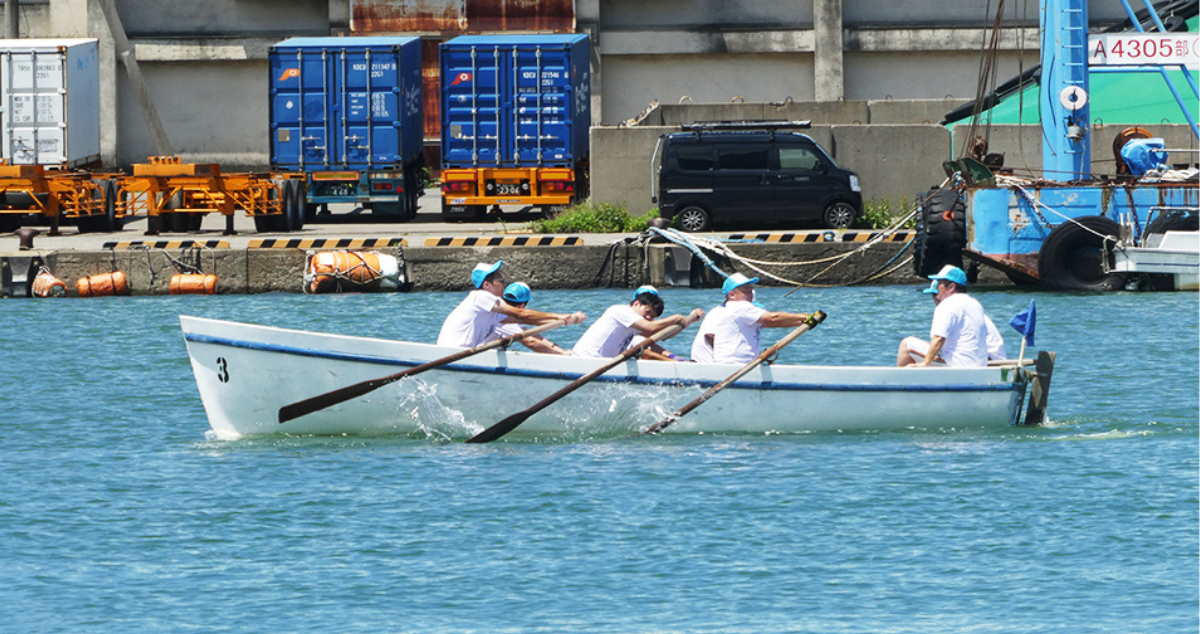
[{"x": 1061, "y": 230}]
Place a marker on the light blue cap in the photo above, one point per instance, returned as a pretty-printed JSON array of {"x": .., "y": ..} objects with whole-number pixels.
[
  {"x": 736, "y": 280},
  {"x": 951, "y": 273},
  {"x": 482, "y": 271},
  {"x": 932, "y": 288},
  {"x": 518, "y": 293},
  {"x": 645, "y": 289}
]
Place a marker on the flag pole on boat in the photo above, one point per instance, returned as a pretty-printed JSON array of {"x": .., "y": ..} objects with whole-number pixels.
[{"x": 1025, "y": 322}]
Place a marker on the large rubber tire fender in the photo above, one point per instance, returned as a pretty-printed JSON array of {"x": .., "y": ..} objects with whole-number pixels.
[
  {"x": 1071, "y": 256},
  {"x": 1174, "y": 220},
  {"x": 941, "y": 232}
]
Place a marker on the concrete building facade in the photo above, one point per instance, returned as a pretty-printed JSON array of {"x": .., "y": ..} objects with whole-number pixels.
[{"x": 204, "y": 63}]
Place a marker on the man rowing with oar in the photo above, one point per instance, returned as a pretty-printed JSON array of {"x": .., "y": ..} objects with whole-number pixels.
[
  {"x": 475, "y": 319},
  {"x": 614, "y": 332},
  {"x": 736, "y": 333},
  {"x": 519, "y": 294}
]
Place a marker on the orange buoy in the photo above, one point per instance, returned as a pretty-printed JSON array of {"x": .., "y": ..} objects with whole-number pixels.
[
  {"x": 335, "y": 271},
  {"x": 46, "y": 285},
  {"x": 193, "y": 284},
  {"x": 102, "y": 285}
]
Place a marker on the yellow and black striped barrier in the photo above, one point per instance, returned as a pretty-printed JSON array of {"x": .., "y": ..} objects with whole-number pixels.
[
  {"x": 168, "y": 244},
  {"x": 821, "y": 236},
  {"x": 506, "y": 241},
  {"x": 326, "y": 243}
]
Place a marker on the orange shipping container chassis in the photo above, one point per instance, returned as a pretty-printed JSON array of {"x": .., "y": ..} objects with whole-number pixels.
[
  {"x": 176, "y": 195},
  {"x": 33, "y": 189},
  {"x": 474, "y": 191}
]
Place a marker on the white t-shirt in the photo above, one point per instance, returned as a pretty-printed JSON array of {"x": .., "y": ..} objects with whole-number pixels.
[
  {"x": 472, "y": 322},
  {"x": 701, "y": 351},
  {"x": 995, "y": 342},
  {"x": 505, "y": 330},
  {"x": 736, "y": 333},
  {"x": 961, "y": 321},
  {"x": 610, "y": 335}
]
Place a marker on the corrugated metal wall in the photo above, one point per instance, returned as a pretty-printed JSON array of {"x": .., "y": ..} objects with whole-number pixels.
[{"x": 439, "y": 20}]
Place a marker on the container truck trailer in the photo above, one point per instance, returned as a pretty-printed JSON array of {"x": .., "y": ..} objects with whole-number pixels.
[
  {"x": 50, "y": 132},
  {"x": 515, "y": 116},
  {"x": 345, "y": 120}
]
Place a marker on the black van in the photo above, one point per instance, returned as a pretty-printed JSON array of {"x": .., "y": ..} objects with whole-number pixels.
[{"x": 751, "y": 173}]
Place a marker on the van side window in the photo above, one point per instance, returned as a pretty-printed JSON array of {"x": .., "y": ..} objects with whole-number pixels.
[
  {"x": 694, "y": 158},
  {"x": 798, "y": 158},
  {"x": 743, "y": 158}
]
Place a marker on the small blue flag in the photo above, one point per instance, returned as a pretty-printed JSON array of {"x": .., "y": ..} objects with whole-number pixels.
[{"x": 1025, "y": 321}]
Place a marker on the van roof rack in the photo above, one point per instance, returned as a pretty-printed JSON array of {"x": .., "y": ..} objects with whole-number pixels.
[{"x": 746, "y": 125}]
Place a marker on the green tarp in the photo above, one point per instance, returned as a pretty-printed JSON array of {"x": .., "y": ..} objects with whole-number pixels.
[{"x": 1116, "y": 99}]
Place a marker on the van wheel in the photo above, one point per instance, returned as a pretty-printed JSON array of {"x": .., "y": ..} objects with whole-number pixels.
[
  {"x": 693, "y": 219},
  {"x": 840, "y": 216}
]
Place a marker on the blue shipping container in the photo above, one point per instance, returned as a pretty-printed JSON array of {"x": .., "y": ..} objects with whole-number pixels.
[
  {"x": 345, "y": 103},
  {"x": 515, "y": 100}
]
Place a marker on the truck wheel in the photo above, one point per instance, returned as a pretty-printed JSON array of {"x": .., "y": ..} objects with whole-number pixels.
[
  {"x": 839, "y": 215},
  {"x": 286, "y": 221},
  {"x": 297, "y": 194},
  {"x": 693, "y": 219},
  {"x": 112, "y": 194},
  {"x": 1072, "y": 255}
]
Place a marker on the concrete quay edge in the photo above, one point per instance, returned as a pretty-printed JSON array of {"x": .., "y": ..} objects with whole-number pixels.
[{"x": 624, "y": 263}]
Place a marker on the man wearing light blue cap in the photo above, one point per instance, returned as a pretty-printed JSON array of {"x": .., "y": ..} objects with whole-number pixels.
[
  {"x": 519, "y": 294},
  {"x": 959, "y": 334},
  {"x": 614, "y": 332},
  {"x": 737, "y": 333},
  {"x": 474, "y": 320}
]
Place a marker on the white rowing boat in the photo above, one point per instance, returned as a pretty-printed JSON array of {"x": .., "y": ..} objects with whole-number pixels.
[{"x": 246, "y": 373}]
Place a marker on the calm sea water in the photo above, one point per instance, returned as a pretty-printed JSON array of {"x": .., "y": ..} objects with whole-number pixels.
[{"x": 119, "y": 514}]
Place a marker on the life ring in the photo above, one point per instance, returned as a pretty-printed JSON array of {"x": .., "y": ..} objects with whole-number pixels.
[
  {"x": 941, "y": 232},
  {"x": 1072, "y": 256}
]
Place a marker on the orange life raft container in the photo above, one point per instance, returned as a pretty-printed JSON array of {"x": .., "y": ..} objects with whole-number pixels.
[
  {"x": 351, "y": 271},
  {"x": 46, "y": 285},
  {"x": 193, "y": 284},
  {"x": 102, "y": 285}
]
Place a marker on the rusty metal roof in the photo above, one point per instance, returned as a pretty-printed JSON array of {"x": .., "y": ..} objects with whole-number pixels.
[{"x": 455, "y": 17}]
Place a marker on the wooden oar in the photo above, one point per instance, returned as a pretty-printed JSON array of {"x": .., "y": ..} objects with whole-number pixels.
[
  {"x": 341, "y": 395},
  {"x": 511, "y": 423},
  {"x": 813, "y": 319}
]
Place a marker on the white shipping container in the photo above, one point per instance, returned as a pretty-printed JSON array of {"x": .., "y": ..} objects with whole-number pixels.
[{"x": 49, "y": 102}]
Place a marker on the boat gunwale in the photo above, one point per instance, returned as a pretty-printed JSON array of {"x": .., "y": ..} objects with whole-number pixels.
[{"x": 615, "y": 379}]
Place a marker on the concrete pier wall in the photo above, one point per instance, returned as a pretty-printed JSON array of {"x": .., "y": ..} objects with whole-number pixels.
[{"x": 447, "y": 269}]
